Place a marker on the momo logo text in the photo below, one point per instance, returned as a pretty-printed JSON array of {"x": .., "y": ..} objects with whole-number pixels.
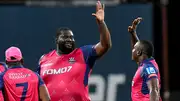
[{"x": 57, "y": 71}]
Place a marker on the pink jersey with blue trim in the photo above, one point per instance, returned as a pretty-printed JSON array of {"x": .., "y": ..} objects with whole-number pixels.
[
  {"x": 3, "y": 68},
  {"x": 66, "y": 76},
  {"x": 148, "y": 69},
  {"x": 20, "y": 84}
]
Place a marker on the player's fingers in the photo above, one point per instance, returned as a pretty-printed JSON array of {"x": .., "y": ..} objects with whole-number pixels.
[
  {"x": 134, "y": 26},
  {"x": 135, "y": 22},
  {"x": 139, "y": 18},
  {"x": 129, "y": 28},
  {"x": 103, "y": 6},
  {"x": 93, "y": 14},
  {"x": 99, "y": 5}
]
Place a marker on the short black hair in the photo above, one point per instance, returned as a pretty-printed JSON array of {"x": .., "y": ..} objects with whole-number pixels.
[
  {"x": 62, "y": 30},
  {"x": 15, "y": 63},
  {"x": 147, "y": 47}
]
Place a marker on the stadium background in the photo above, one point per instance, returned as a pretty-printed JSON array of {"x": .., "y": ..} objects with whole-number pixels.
[{"x": 31, "y": 26}]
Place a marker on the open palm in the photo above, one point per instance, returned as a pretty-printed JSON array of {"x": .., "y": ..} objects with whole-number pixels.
[
  {"x": 134, "y": 25},
  {"x": 99, "y": 11}
]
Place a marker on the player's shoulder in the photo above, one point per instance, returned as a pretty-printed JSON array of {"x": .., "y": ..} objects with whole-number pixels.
[
  {"x": 29, "y": 71},
  {"x": 3, "y": 67},
  {"x": 87, "y": 46},
  {"x": 49, "y": 54},
  {"x": 149, "y": 68},
  {"x": 148, "y": 64}
]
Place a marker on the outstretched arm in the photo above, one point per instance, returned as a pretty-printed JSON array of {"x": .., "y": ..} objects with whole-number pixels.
[
  {"x": 132, "y": 31},
  {"x": 105, "y": 38},
  {"x": 43, "y": 93},
  {"x": 153, "y": 89}
]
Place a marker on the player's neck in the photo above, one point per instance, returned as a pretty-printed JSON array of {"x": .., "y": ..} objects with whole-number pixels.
[
  {"x": 14, "y": 65},
  {"x": 142, "y": 58},
  {"x": 64, "y": 52},
  {"x": 59, "y": 52}
]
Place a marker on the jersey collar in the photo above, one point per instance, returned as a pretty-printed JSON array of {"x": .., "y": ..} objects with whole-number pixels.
[{"x": 146, "y": 60}]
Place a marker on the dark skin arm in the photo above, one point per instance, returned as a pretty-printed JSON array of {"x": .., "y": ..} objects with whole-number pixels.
[
  {"x": 43, "y": 93},
  {"x": 132, "y": 31},
  {"x": 105, "y": 38},
  {"x": 153, "y": 89}
]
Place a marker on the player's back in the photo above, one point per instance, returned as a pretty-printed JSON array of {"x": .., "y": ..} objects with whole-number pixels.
[{"x": 20, "y": 84}]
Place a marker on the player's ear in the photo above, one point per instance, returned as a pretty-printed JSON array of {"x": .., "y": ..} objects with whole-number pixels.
[
  {"x": 139, "y": 53},
  {"x": 6, "y": 62},
  {"x": 22, "y": 61}
]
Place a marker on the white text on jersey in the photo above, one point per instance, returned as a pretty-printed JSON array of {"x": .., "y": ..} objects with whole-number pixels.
[{"x": 57, "y": 71}]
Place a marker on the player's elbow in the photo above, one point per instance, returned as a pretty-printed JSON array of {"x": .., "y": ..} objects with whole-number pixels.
[
  {"x": 109, "y": 43},
  {"x": 44, "y": 94},
  {"x": 108, "y": 46},
  {"x": 46, "y": 99},
  {"x": 154, "y": 93}
]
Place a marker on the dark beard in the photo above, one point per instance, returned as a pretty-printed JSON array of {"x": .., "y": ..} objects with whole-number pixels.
[{"x": 64, "y": 50}]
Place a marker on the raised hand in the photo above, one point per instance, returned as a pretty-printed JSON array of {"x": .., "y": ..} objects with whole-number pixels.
[
  {"x": 99, "y": 11},
  {"x": 134, "y": 25}
]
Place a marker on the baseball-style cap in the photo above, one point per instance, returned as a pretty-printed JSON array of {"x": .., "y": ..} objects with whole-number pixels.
[{"x": 13, "y": 54}]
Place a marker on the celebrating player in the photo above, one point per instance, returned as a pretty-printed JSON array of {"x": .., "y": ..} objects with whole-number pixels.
[
  {"x": 146, "y": 81},
  {"x": 66, "y": 69},
  {"x": 19, "y": 83}
]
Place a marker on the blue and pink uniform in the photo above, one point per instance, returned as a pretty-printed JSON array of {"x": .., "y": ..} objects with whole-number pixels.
[
  {"x": 3, "y": 68},
  {"x": 20, "y": 84},
  {"x": 66, "y": 76},
  {"x": 147, "y": 70}
]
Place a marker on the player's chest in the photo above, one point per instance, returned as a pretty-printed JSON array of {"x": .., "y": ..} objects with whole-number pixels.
[
  {"x": 137, "y": 77},
  {"x": 63, "y": 66}
]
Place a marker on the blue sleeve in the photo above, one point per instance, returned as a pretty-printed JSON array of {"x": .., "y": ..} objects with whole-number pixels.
[
  {"x": 41, "y": 82},
  {"x": 39, "y": 68},
  {"x": 89, "y": 54},
  {"x": 149, "y": 72},
  {"x": 1, "y": 80},
  {"x": 3, "y": 69}
]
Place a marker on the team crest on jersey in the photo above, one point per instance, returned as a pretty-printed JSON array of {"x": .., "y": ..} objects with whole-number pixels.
[{"x": 72, "y": 60}]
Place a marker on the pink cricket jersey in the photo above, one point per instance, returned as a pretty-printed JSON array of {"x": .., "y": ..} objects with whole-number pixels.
[
  {"x": 147, "y": 70},
  {"x": 66, "y": 76},
  {"x": 20, "y": 84}
]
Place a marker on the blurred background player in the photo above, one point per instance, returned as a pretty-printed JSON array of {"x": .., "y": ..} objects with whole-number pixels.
[
  {"x": 3, "y": 68},
  {"x": 65, "y": 70},
  {"x": 19, "y": 83},
  {"x": 146, "y": 81}
]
